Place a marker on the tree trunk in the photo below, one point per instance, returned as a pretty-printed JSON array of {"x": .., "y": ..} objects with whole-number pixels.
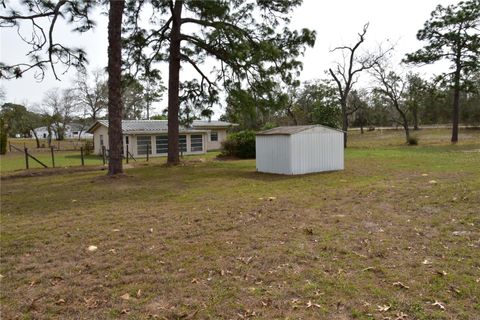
[
  {"x": 49, "y": 138},
  {"x": 114, "y": 86},
  {"x": 344, "y": 121},
  {"x": 292, "y": 115},
  {"x": 174, "y": 86},
  {"x": 407, "y": 131},
  {"x": 456, "y": 105},
  {"x": 415, "y": 117},
  {"x": 36, "y": 138}
]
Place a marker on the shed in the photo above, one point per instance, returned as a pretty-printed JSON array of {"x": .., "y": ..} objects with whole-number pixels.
[{"x": 299, "y": 149}]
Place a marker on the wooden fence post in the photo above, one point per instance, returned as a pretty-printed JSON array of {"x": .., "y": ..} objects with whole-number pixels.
[
  {"x": 26, "y": 158},
  {"x": 103, "y": 155},
  {"x": 81, "y": 156},
  {"x": 127, "y": 152},
  {"x": 10, "y": 146},
  {"x": 53, "y": 157},
  {"x": 148, "y": 150}
]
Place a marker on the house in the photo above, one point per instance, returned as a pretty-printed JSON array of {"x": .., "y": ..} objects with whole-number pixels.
[
  {"x": 142, "y": 135},
  {"x": 299, "y": 149},
  {"x": 72, "y": 131}
]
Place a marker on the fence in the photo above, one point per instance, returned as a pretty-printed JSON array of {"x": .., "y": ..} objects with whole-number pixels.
[
  {"x": 45, "y": 146},
  {"x": 51, "y": 162}
]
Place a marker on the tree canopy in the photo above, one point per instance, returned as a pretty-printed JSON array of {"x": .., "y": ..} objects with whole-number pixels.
[
  {"x": 452, "y": 34},
  {"x": 248, "y": 41}
]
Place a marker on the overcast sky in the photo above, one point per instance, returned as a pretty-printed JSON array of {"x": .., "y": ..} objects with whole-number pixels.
[{"x": 336, "y": 23}]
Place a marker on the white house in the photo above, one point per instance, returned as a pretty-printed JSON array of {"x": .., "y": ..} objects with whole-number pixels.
[
  {"x": 299, "y": 150},
  {"x": 142, "y": 135},
  {"x": 72, "y": 131}
]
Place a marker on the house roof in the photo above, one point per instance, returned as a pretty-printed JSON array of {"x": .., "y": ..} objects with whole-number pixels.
[
  {"x": 157, "y": 126},
  {"x": 289, "y": 130},
  {"x": 212, "y": 124}
]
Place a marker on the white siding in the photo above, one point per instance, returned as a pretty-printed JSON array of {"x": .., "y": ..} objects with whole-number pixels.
[
  {"x": 96, "y": 139},
  {"x": 313, "y": 150},
  {"x": 317, "y": 151},
  {"x": 216, "y": 145},
  {"x": 273, "y": 154}
]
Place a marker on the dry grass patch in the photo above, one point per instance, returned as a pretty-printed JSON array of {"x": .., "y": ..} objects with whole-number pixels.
[{"x": 215, "y": 239}]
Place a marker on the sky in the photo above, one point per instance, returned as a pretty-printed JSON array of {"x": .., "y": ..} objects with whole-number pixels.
[{"x": 336, "y": 23}]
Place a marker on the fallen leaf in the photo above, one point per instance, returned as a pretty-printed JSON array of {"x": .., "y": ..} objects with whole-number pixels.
[
  {"x": 272, "y": 198},
  {"x": 126, "y": 296},
  {"x": 426, "y": 262},
  {"x": 368, "y": 268},
  {"x": 112, "y": 251},
  {"x": 424, "y": 174},
  {"x": 60, "y": 301},
  {"x": 194, "y": 280},
  {"x": 401, "y": 316},
  {"x": 310, "y": 304},
  {"x": 384, "y": 308},
  {"x": 433, "y": 182},
  {"x": 438, "y": 304},
  {"x": 151, "y": 230},
  {"x": 73, "y": 200},
  {"x": 139, "y": 293},
  {"x": 124, "y": 311},
  {"x": 401, "y": 285},
  {"x": 116, "y": 230},
  {"x": 92, "y": 248},
  {"x": 455, "y": 290},
  {"x": 442, "y": 273}
]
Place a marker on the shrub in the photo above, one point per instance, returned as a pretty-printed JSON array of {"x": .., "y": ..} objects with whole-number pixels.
[
  {"x": 413, "y": 141},
  {"x": 240, "y": 144}
]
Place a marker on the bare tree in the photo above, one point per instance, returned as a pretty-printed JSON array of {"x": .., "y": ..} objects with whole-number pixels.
[
  {"x": 92, "y": 94},
  {"x": 346, "y": 73},
  {"x": 60, "y": 107},
  {"x": 392, "y": 87}
]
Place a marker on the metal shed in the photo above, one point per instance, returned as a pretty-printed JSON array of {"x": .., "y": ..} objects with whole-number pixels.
[{"x": 299, "y": 149}]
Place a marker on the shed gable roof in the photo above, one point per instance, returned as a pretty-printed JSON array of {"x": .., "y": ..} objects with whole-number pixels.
[{"x": 290, "y": 130}]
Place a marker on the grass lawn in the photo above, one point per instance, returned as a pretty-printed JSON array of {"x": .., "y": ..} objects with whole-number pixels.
[{"x": 396, "y": 235}]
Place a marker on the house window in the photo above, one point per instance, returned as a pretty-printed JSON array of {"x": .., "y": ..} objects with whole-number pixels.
[
  {"x": 126, "y": 140},
  {"x": 182, "y": 139},
  {"x": 162, "y": 143},
  {"x": 144, "y": 144},
  {"x": 44, "y": 136},
  {"x": 214, "y": 136},
  {"x": 101, "y": 140},
  {"x": 196, "y": 142}
]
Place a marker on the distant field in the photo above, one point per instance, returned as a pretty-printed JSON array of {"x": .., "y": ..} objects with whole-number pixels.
[
  {"x": 396, "y": 235},
  {"x": 67, "y": 144}
]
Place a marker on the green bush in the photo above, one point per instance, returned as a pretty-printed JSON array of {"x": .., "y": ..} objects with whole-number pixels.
[
  {"x": 413, "y": 141},
  {"x": 3, "y": 137},
  {"x": 240, "y": 144}
]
